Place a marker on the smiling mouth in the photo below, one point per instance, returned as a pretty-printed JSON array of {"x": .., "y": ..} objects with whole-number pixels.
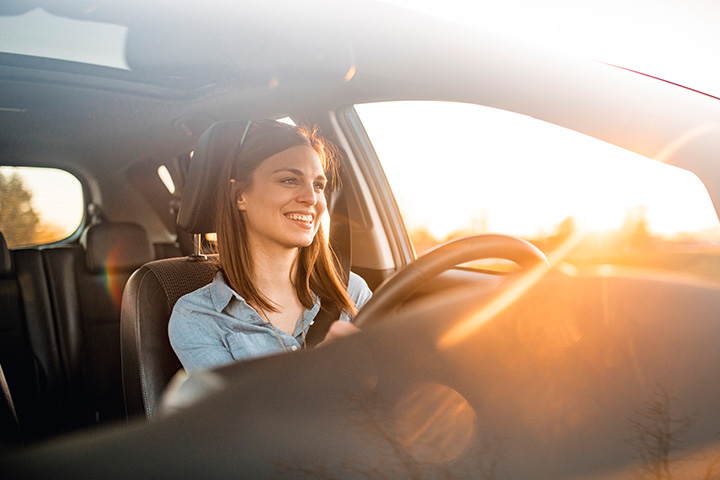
[{"x": 300, "y": 218}]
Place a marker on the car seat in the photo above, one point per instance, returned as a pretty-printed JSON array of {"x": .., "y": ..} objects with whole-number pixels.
[{"x": 148, "y": 361}]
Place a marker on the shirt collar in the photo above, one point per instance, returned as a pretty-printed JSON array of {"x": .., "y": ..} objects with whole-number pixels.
[{"x": 221, "y": 293}]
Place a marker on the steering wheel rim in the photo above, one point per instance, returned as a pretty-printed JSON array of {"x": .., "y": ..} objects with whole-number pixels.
[{"x": 443, "y": 257}]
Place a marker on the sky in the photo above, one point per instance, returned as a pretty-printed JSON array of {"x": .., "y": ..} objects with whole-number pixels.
[{"x": 513, "y": 174}]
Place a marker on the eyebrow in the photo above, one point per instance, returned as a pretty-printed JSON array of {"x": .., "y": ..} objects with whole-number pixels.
[{"x": 297, "y": 172}]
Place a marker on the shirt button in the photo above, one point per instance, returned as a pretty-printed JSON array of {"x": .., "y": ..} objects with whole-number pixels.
[
  {"x": 312, "y": 322},
  {"x": 294, "y": 348}
]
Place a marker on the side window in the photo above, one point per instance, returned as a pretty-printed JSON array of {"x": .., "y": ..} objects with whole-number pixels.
[
  {"x": 459, "y": 169},
  {"x": 39, "y": 205}
]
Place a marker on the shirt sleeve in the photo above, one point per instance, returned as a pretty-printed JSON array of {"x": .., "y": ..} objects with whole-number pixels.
[
  {"x": 194, "y": 340},
  {"x": 359, "y": 293}
]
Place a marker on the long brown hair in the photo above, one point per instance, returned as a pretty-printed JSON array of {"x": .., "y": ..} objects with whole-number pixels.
[{"x": 316, "y": 270}]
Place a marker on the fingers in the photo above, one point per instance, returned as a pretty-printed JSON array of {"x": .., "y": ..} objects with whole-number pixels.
[{"x": 338, "y": 330}]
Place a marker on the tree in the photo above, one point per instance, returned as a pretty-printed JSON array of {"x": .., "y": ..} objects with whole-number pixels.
[
  {"x": 636, "y": 227},
  {"x": 18, "y": 219},
  {"x": 659, "y": 435}
]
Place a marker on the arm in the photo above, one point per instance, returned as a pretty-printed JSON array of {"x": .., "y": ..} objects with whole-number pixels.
[{"x": 360, "y": 293}]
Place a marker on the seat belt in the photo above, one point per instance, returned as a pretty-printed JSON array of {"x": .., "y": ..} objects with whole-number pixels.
[{"x": 341, "y": 245}]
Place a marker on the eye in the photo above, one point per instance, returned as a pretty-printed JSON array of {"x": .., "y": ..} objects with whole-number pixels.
[
  {"x": 289, "y": 181},
  {"x": 320, "y": 186}
]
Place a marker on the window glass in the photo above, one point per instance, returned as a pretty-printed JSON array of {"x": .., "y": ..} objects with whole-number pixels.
[
  {"x": 42, "y": 34},
  {"x": 459, "y": 169},
  {"x": 39, "y": 205}
]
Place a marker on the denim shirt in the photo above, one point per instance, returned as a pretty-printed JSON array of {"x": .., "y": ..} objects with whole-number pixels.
[{"x": 214, "y": 326}]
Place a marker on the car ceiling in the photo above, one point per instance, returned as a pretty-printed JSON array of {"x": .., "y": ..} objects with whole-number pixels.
[
  {"x": 272, "y": 58},
  {"x": 98, "y": 121}
]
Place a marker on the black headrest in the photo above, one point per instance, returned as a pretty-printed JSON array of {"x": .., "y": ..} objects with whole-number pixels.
[
  {"x": 5, "y": 258},
  {"x": 196, "y": 214},
  {"x": 116, "y": 246}
]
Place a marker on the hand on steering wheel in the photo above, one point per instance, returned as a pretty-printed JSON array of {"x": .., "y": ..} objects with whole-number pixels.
[{"x": 399, "y": 286}]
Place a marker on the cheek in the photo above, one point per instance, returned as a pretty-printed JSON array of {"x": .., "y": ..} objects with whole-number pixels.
[{"x": 321, "y": 205}]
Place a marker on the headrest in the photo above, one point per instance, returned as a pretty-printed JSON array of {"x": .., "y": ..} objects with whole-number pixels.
[
  {"x": 116, "y": 246},
  {"x": 5, "y": 258},
  {"x": 196, "y": 214}
]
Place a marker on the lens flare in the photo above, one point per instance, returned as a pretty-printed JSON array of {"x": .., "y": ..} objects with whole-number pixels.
[
  {"x": 511, "y": 291},
  {"x": 434, "y": 423}
]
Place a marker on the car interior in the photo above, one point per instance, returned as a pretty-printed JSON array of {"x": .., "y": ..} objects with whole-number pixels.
[{"x": 531, "y": 371}]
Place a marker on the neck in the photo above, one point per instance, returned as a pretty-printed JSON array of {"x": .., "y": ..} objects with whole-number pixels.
[{"x": 274, "y": 271}]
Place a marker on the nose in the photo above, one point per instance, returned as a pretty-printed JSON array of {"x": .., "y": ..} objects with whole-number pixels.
[{"x": 308, "y": 195}]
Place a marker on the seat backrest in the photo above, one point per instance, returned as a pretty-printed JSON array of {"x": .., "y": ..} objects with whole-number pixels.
[
  {"x": 29, "y": 352},
  {"x": 86, "y": 284},
  {"x": 113, "y": 251},
  {"x": 10, "y": 433},
  {"x": 148, "y": 360}
]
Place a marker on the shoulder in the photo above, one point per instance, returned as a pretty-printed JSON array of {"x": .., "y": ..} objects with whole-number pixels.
[
  {"x": 191, "y": 311},
  {"x": 356, "y": 283},
  {"x": 215, "y": 295},
  {"x": 358, "y": 290},
  {"x": 200, "y": 297}
]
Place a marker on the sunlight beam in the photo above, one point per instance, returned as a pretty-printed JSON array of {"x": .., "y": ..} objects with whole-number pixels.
[{"x": 508, "y": 295}]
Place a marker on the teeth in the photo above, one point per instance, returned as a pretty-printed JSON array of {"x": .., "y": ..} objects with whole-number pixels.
[{"x": 301, "y": 218}]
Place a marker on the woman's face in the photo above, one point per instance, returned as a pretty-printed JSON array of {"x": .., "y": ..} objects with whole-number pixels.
[{"x": 285, "y": 202}]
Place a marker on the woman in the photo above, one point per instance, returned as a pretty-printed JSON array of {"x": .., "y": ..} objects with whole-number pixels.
[{"x": 273, "y": 259}]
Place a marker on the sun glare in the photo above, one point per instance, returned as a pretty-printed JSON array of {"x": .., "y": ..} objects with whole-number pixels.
[
  {"x": 643, "y": 35},
  {"x": 668, "y": 39},
  {"x": 480, "y": 169}
]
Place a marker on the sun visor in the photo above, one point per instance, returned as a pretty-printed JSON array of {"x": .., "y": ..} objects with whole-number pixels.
[{"x": 250, "y": 45}]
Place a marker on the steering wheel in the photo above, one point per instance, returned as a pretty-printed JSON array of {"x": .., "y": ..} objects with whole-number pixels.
[{"x": 399, "y": 286}]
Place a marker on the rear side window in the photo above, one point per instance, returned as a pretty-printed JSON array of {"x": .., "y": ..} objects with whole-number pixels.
[{"x": 39, "y": 205}]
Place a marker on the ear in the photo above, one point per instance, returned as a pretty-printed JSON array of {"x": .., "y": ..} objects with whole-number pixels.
[{"x": 241, "y": 204}]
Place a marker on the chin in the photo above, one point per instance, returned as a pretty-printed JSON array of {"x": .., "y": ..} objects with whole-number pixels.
[{"x": 300, "y": 243}]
